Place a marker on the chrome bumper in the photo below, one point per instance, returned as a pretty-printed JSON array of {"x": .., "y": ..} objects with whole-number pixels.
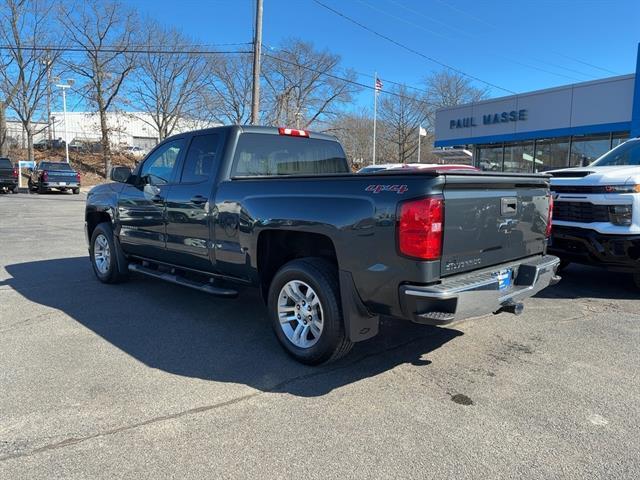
[{"x": 477, "y": 293}]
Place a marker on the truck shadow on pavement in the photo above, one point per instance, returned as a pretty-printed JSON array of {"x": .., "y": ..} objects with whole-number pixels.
[
  {"x": 192, "y": 334},
  {"x": 581, "y": 281}
]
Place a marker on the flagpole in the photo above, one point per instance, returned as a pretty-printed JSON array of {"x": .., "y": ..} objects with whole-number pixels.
[
  {"x": 419, "y": 136},
  {"x": 375, "y": 108}
]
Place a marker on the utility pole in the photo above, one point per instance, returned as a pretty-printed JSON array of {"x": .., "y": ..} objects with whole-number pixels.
[{"x": 257, "y": 51}]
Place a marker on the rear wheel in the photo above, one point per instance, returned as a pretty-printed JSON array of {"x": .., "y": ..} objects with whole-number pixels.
[
  {"x": 76, "y": 191},
  {"x": 14, "y": 190},
  {"x": 305, "y": 311},
  {"x": 102, "y": 252},
  {"x": 41, "y": 189}
]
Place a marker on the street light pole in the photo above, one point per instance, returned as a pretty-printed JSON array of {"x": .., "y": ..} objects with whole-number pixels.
[{"x": 64, "y": 110}]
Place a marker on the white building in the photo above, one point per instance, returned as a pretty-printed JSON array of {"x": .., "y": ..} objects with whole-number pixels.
[{"x": 127, "y": 128}]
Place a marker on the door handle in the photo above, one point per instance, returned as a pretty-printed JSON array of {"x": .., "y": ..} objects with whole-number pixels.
[{"x": 198, "y": 199}]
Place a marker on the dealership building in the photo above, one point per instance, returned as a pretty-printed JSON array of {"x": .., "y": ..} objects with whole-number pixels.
[{"x": 545, "y": 129}]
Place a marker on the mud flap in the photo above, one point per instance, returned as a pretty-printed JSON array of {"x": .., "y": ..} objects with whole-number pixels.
[
  {"x": 359, "y": 323},
  {"x": 121, "y": 259}
]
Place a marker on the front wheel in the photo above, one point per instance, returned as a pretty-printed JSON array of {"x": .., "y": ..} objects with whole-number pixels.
[
  {"x": 102, "y": 252},
  {"x": 304, "y": 307}
]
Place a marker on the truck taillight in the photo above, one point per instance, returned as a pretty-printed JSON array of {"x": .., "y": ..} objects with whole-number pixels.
[
  {"x": 420, "y": 228},
  {"x": 78, "y": 177},
  {"x": 15, "y": 172},
  {"x": 549, "y": 218},
  {"x": 45, "y": 176},
  {"x": 292, "y": 132}
]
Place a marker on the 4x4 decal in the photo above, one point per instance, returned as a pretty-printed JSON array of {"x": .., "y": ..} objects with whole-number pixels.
[{"x": 387, "y": 188}]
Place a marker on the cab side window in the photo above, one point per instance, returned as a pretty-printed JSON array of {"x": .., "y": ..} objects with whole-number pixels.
[
  {"x": 159, "y": 168},
  {"x": 200, "y": 159}
]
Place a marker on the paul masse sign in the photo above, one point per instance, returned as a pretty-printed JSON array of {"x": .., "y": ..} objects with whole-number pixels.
[{"x": 490, "y": 119}]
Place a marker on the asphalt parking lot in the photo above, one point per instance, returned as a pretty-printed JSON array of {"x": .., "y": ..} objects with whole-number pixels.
[{"x": 152, "y": 380}]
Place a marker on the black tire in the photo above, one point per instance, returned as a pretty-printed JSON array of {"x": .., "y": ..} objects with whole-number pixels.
[
  {"x": 41, "y": 189},
  {"x": 636, "y": 279},
  {"x": 112, "y": 274},
  {"x": 76, "y": 191},
  {"x": 322, "y": 277},
  {"x": 30, "y": 185},
  {"x": 14, "y": 190}
]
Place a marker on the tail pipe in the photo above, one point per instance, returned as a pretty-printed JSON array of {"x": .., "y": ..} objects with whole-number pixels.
[{"x": 516, "y": 308}]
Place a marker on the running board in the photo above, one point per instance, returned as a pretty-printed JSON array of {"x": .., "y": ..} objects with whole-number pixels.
[{"x": 168, "y": 277}]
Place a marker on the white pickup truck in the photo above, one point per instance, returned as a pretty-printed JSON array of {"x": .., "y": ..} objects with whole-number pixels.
[{"x": 596, "y": 215}]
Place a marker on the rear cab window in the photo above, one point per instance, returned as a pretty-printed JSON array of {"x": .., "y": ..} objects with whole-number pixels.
[
  {"x": 5, "y": 163},
  {"x": 275, "y": 155},
  {"x": 55, "y": 166}
]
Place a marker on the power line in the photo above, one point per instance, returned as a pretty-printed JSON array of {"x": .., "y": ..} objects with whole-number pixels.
[
  {"x": 409, "y": 49},
  {"x": 123, "y": 49},
  {"x": 481, "y": 20},
  {"x": 475, "y": 37},
  {"x": 367, "y": 75},
  {"x": 343, "y": 79},
  {"x": 110, "y": 49}
]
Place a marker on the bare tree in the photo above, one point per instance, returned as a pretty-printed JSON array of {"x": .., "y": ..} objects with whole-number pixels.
[
  {"x": 401, "y": 113},
  {"x": 227, "y": 97},
  {"x": 448, "y": 89},
  {"x": 104, "y": 30},
  {"x": 304, "y": 86},
  {"x": 169, "y": 81},
  {"x": 355, "y": 132},
  {"x": 25, "y": 28}
]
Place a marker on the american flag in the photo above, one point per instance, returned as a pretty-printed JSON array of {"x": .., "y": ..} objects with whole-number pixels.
[{"x": 378, "y": 84}]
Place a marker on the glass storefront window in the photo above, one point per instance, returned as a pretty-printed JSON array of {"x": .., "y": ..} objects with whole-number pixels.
[
  {"x": 587, "y": 148},
  {"x": 618, "y": 137},
  {"x": 490, "y": 158},
  {"x": 518, "y": 157},
  {"x": 551, "y": 153}
]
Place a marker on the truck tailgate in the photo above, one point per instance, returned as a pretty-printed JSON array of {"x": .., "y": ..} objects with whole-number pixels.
[{"x": 492, "y": 219}]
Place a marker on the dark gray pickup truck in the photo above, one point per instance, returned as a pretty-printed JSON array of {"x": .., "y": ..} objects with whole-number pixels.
[{"x": 330, "y": 250}]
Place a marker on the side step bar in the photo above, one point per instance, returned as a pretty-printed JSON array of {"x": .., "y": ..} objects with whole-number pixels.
[{"x": 168, "y": 277}]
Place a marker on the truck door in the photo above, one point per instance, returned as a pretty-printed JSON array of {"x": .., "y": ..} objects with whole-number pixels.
[
  {"x": 142, "y": 205},
  {"x": 189, "y": 207}
]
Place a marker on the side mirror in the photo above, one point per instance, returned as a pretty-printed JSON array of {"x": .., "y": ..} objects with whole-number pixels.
[{"x": 120, "y": 174}]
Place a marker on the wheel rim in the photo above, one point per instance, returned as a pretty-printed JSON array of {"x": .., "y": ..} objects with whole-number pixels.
[
  {"x": 101, "y": 254},
  {"x": 300, "y": 314}
]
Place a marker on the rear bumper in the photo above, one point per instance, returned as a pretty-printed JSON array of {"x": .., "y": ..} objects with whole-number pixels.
[
  {"x": 582, "y": 245},
  {"x": 60, "y": 184},
  {"x": 477, "y": 293},
  {"x": 8, "y": 183}
]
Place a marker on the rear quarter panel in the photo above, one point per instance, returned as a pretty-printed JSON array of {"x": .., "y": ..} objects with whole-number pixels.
[{"x": 359, "y": 220}]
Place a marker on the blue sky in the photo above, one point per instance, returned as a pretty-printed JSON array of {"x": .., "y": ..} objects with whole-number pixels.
[{"x": 519, "y": 45}]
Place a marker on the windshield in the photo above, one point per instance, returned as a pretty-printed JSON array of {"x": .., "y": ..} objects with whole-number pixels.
[
  {"x": 56, "y": 166},
  {"x": 626, "y": 154}
]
